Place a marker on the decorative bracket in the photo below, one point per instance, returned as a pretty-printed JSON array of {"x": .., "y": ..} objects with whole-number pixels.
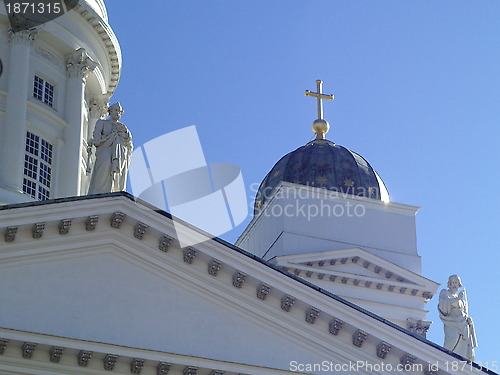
[
  {"x": 239, "y": 279},
  {"x": 419, "y": 327},
  {"x": 214, "y": 266},
  {"x": 140, "y": 230},
  {"x": 165, "y": 242},
  {"x": 163, "y": 368},
  {"x": 383, "y": 349},
  {"x": 407, "y": 360},
  {"x": 189, "y": 253},
  {"x": 287, "y": 302},
  {"x": 38, "y": 229},
  {"x": 91, "y": 222},
  {"x": 136, "y": 365},
  {"x": 10, "y": 234},
  {"x": 110, "y": 361},
  {"x": 27, "y": 349},
  {"x": 84, "y": 357},
  {"x": 56, "y": 353},
  {"x": 64, "y": 226},
  {"x": 427, "y": 295},
  {"x": 335, "y": 326},
  {"x": 3, "y": 345},
  {"x": 311, "y": 314},
  {"x": 359, "y": 337},
  {"x": 117, "y": 219},
  {"x": 262, "y": 291}
]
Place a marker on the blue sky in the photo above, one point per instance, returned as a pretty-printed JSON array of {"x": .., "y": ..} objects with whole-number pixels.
[{"x": 416, "y": 85}]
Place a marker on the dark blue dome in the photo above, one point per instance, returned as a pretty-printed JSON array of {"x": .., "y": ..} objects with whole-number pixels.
[{"x": 323, "y": 164}]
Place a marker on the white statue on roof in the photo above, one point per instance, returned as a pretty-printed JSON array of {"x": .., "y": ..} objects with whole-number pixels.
[
  {"x": 459, "y": 334},
  {"x": 113, "y": 143}
]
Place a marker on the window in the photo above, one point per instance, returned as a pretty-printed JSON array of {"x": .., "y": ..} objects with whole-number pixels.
[
  {"x": 44, "y": 91},
  {"x": 37, "y": 167}
]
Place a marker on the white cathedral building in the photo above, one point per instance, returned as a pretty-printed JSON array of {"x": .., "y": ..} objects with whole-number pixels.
[{"x": 98, "y": 284}]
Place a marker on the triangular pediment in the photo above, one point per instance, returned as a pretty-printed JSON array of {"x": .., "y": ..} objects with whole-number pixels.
[
  {"x": 357, "y": 267},
  {"x": 105, "y": 270}
]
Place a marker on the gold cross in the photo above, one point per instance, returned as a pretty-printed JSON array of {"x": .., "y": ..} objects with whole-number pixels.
[{"x": 319, "y": 96}]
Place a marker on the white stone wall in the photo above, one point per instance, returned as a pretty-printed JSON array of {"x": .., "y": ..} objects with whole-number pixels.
[
  {"x": 67, "y": 124},
  {"x": 385, "y": 229}
]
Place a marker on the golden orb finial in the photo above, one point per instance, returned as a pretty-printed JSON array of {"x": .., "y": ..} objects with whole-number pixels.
[{"x": 320, "y": 127}]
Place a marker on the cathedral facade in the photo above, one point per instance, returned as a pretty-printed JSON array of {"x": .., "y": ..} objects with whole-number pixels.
[{"x": 96, "y": 284}]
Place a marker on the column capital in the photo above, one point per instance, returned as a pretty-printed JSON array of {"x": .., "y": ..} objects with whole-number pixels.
[
  {"x": 99, "y": 107},
  {"x": 26, "y": 37},
  {"x": 79, "y": 64}
]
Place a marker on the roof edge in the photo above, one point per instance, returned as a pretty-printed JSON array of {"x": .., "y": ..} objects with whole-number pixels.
[{"x": 220, "y": 241}]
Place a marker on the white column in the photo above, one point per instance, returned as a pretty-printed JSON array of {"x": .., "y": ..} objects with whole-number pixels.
[
  {"x": 98, "y": 110},
  {"x": 13, "y": 137},
  {"x": 79, "y": 65}
]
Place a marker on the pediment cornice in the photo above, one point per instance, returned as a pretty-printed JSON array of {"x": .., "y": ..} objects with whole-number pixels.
[
  {"x": 66, "y": 355},
  {"x": 358, "y": 267}
]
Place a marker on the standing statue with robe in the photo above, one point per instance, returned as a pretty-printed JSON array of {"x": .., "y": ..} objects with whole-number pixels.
[
  {"x": 459, "y": 334},
  {"x": 113, "y": 143}
]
